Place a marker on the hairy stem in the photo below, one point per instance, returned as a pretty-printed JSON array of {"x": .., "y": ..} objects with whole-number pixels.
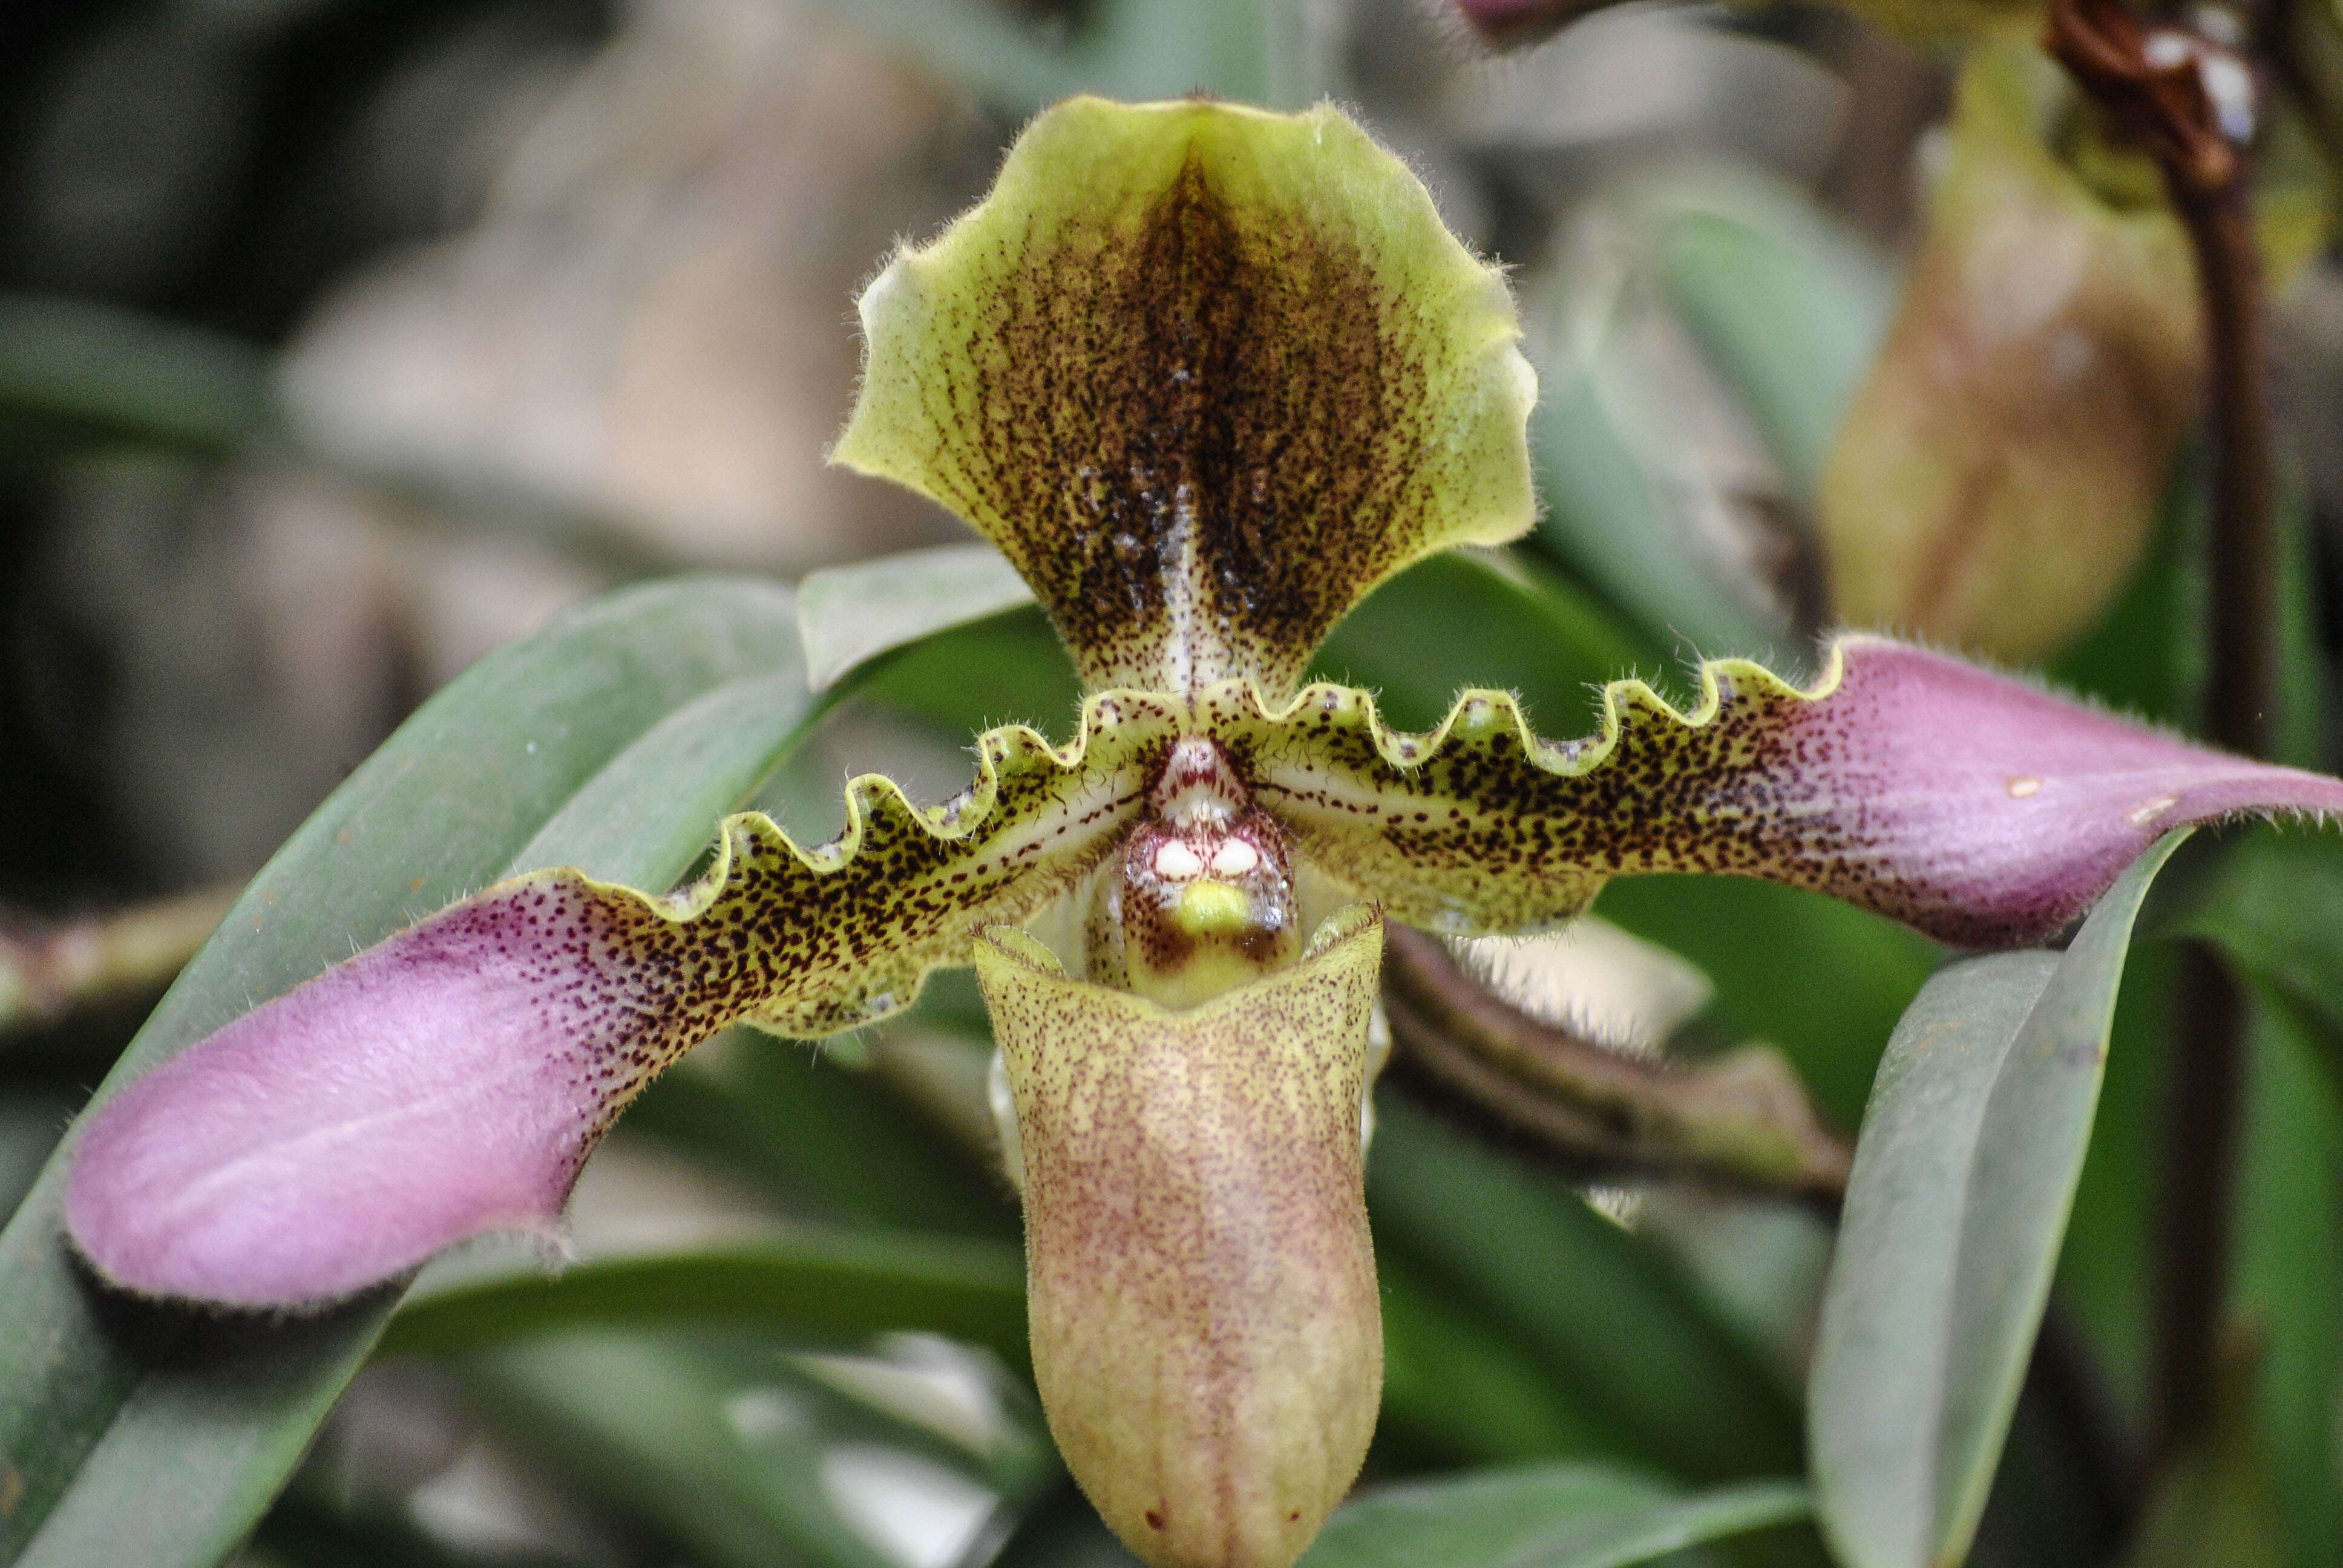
[
  {"x": 49, "y": 968},
  {"x": 2169, "y": 109},
  {"x": 1739, "y": 1122},
  {"x": 2202, "y": 1114}
]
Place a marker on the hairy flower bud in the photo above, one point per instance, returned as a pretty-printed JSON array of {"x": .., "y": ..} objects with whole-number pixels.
[{"x": 1999, "y": 473}]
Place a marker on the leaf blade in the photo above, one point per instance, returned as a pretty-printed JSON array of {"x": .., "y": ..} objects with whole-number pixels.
[
  {"x": 464, "y": 787},
  {"x": 1963, "y": 1176},
  {"x": 849, "y": 615},
  {"x": 1548, "y": 1517},
  {"x": 847, "y": 1284}
]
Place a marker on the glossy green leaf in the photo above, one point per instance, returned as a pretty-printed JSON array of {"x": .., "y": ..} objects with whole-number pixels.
[
  {"x": 2107, "y": 1264},
  {"x": 2273, "y": 900},
  {"x": 1789, "y": 309},
  {"x": 806, "y": 1287},
  {"x": 747, "y": 1452},
  {"x": 1484, "y": 618},
  {"x": 1457, "y": 1389},
  {"x": 847, "y": 615},
  {"x": 1620, "y": 1332},
  {"x": 30, "y": 1119},
  {"x": 824, "y": 1140},
  {"x": 1613, "y": 514},
  {"x": 148, "y": 1435},
  {"x": 2289, "y": 1276},
  {"x": 1963, "y": 1177},
  {"x": 1007, "y": 669},
  {"x": 1551, "y": 1516}
]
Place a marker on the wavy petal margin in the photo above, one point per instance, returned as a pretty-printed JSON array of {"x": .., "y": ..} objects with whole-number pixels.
[
  {"x": 1207, "y": 1336},
  {"x": 1980, "y": 810},
  {"x": 1207, "y": 374},
  {"x": 451, "y": 1079}
]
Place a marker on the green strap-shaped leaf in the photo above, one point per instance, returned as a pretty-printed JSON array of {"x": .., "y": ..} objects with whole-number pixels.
[
  {"x": 112, "y": 1453},
  {"x": 745, "y": 1453},
  {"x": 1206, "y": 374},
  {"x": 849, "y": 615},
  {"x": 1547, "y": 1516},
  {"x": 1596, "y": 1307},
  {"x": 1963, "y": 1177},
  {"x": 811, "y": 1287}
]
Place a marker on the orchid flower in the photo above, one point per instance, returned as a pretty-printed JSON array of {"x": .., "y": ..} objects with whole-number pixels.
[{"x": 1206, "y": 374}]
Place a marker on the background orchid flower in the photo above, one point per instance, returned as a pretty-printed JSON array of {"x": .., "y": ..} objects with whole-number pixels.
[{"x": 1206, "y": 374}]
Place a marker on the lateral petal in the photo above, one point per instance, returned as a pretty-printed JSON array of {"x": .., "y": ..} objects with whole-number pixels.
[
  {"x": 1206, "y": 374},
  {"x": 1978, "y": 810},
  {"x": 451, "y": 1079}
]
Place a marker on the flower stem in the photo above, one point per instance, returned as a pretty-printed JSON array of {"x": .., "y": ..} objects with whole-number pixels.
[
  {"x": 2167, "y": 105},
  {"x": 1739, "y": 1122},
  {"x": 53, "y": 967}
]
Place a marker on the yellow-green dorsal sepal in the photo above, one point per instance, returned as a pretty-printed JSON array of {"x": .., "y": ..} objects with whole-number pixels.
[
  {"x": 1206, "y": 1333},
  {"x": 1206, "y": 374}
]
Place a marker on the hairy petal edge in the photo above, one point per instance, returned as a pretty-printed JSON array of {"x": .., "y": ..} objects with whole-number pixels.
[
  {"x": 1974, "y": 808},
  {"x": 451, "y": 1079}
]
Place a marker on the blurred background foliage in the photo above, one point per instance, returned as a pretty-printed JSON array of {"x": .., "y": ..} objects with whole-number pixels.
[{"x": 343, "y": 342}]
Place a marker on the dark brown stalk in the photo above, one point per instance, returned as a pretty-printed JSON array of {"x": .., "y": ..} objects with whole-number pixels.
[
  {"x": 2168, "y": 110},
  {"x": 1740, "y": 1121}
]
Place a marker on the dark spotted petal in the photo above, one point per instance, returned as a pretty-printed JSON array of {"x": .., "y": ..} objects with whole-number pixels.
[
  {"x": 1206, "y": 374},
  {"x": 1980, "y": 810},
  {"x": 451, "y": 1079}
]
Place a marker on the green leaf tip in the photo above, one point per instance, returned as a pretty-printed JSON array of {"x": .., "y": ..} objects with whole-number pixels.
[{"x": 1207, "y": 374}]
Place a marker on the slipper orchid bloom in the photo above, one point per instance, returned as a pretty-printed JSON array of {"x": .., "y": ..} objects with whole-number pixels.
[{"x": 1206, "y": 374}]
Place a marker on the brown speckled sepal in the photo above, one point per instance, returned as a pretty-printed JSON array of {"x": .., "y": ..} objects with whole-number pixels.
[
  {"x": 1206, "y": 374},
  {"x": 1207, "y": 1336}
]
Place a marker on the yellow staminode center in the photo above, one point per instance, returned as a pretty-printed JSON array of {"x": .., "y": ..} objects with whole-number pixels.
[{"x": 1213, "y": 909}]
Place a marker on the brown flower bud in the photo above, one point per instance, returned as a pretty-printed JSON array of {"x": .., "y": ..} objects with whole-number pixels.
[{"x": 1999, "y": 473}]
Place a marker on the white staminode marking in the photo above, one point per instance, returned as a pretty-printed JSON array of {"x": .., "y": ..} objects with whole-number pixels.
[
  {"x": 1235, "y": 859},
  {"x": 1180, "y": 592},
  {"x": 1176, "y": 862}
]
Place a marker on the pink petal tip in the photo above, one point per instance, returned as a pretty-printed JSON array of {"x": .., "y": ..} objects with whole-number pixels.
[
  {"x": 1988, "y": 813},
  {"x": 447, "y": 1082}
]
